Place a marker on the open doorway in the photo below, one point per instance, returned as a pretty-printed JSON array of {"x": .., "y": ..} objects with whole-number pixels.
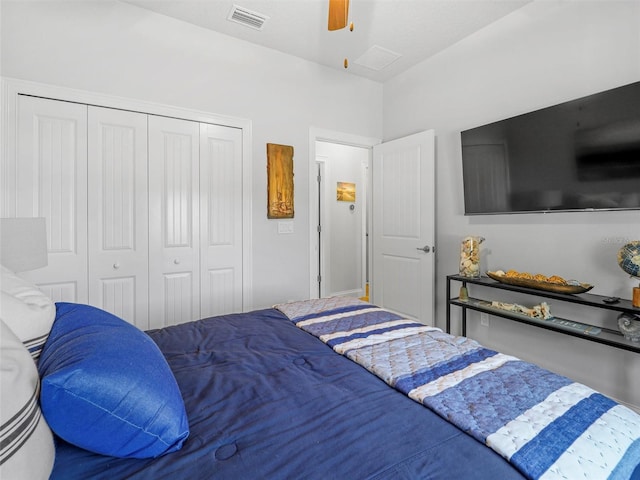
[
  {"x": 343, "y": 197},
  {"x": 332, "y": 222}
]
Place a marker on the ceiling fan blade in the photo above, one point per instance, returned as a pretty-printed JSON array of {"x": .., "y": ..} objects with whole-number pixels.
[{"x": 338, "y": 14}]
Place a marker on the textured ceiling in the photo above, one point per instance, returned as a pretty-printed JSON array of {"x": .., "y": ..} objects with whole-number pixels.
[{"x": 412, "y": 29}]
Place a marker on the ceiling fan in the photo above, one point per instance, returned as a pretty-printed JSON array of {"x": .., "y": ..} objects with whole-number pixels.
[
  {"x": 338, "y": 14},
  {"x": 338, "y": 18}
]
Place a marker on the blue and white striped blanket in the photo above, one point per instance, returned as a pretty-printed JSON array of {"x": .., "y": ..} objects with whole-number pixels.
[{"x": 546, "y": 425}]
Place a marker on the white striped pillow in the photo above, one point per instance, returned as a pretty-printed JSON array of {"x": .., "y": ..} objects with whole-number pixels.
[
  {"x": 26, "y": 442},
  {"x": 27, "y": 311}
]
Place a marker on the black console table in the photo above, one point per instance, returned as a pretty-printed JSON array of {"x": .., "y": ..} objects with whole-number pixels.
[{"x": 585, "y": 331}]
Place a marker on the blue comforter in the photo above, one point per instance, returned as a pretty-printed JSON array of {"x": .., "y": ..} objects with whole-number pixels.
[
  {"x": 546, "y": 425},
  {"x": 266, "y": 400}
]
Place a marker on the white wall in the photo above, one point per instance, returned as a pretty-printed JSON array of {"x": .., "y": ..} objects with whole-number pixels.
[
  {"x": 543, "y": 54},
  {"x": 118, "y": 49}
]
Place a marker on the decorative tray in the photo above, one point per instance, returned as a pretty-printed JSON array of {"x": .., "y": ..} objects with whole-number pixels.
[
  {"x": 546, "y": 286},
  {"x": 556, "y": 322}
]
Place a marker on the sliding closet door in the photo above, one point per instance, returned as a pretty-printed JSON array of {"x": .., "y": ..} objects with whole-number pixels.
[
  {"x": 221, "y": 219},
  {"x": 47, "y": 178},
  {"x": 118, "y": 214},
  {"x": 174, "y": 281}
]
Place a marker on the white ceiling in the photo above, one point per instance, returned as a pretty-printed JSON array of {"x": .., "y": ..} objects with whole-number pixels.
[{"x": 414, "y": 29}]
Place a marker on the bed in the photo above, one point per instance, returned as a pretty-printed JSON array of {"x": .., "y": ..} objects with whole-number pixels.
[{"x": 287, "y": 392}]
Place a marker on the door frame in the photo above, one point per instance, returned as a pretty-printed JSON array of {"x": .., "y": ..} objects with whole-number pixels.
[
  {"x": 331, "y": 136},
  {"x": 11, "y": 88}
]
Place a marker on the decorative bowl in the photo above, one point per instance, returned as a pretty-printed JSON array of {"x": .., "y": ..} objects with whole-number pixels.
[{"x": 570, "y": 288}]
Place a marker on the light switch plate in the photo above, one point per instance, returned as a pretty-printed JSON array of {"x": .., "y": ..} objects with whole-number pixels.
[{"x": 285, "y": 227}]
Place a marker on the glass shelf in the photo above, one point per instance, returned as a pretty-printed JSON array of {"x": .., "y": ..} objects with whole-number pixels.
[{"x": 588, "y": 332}]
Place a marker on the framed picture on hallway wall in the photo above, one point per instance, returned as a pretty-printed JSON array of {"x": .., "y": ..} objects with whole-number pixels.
[
  {"x": 346, "y": 192},
  {"x": 279, "y": 181}
]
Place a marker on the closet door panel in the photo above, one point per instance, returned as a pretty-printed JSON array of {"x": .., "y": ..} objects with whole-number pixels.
[
  {"x": 118, "y": 214},
  {"x": 48, "y": 179},
  {"x": 221, "y": 219},
  {"x": 173, "y": 221}
]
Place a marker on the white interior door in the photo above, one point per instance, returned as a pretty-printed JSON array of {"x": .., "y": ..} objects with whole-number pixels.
[
  {"x": 174, "y": 227},
  {"x": 221, "y": 255},
  {"x": 47, "y": 178},
  {"x": 404, "y": 226},
  {"x": 118, "y": 214}
]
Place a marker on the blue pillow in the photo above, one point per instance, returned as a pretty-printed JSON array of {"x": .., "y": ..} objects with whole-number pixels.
[{"x": 107, "y": 388}]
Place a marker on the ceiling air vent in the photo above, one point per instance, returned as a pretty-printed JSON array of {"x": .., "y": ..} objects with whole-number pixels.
[
  {"x": 247, "y": 17},
  {"x": 377, "y": 58}
]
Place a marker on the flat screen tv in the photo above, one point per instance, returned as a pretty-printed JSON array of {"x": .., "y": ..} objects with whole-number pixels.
[{"x": 580, "y": 155}]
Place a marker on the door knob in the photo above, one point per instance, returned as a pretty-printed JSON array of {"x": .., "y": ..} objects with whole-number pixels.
[{"x": 425, "y": 249}]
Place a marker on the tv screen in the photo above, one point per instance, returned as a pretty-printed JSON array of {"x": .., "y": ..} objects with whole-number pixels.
[{"x": 579, "y": 155}]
